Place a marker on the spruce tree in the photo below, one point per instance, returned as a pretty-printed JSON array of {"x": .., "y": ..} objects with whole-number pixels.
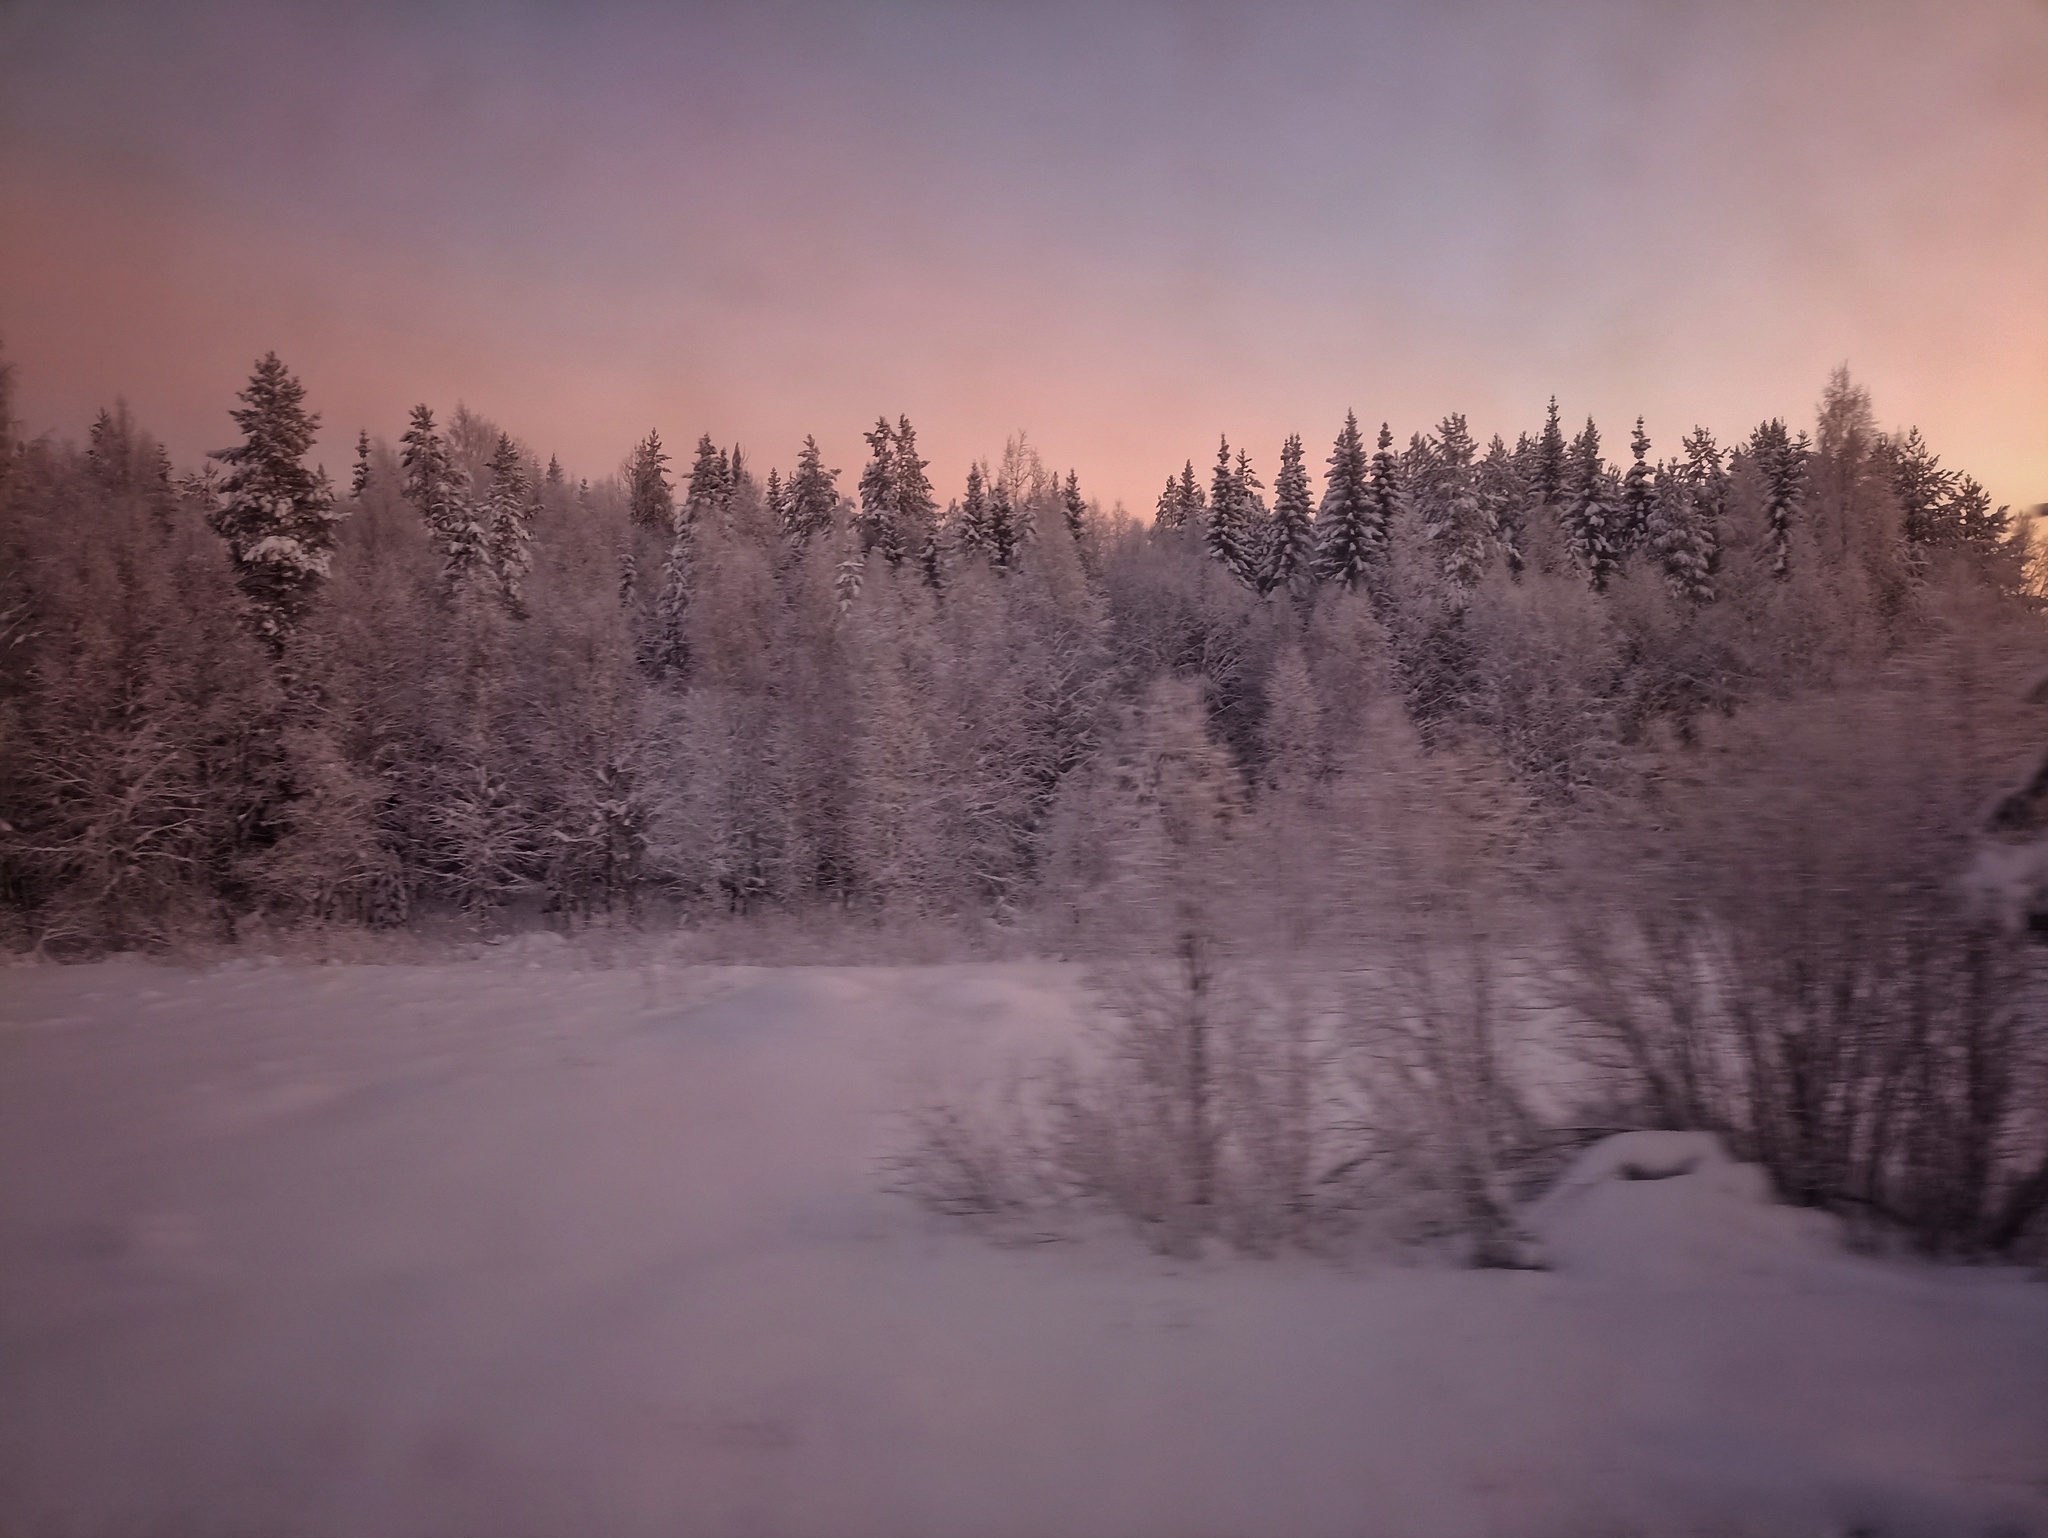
[
  {"x": 777, "y": 501},
  {"x": 1254, "y": 526},
  {"x": 437, "y": 488},
  {"x": 1225, "y": 534},
  {"x": 650, "y": 498},
  {"x": 1590, "y": 515},
  {"x": 1072, "y": 506},
  {"x": 1291, "y": 555},
  {"x": 1707, "y": 479},
  {"x": 1192, "y": 506},
  {"x": 973, "y": 522},
  {"x": 1386, "y": 493},
  {"x": 1503, "y": 500},
  {"x": 1005, "y": 527},
  {"x": 916, "y": 509},
  {"x": 1780, "y": 462},
  {"x": 1923, "y": 490},
  {"x": 812, "y": 496},
  {"x": 875, "y": 523},
  {"x": 1453, "y": 518},
  {"x": 1549, "y": 477},
  {"x": 360, "y": 480},
  {"x": 277, "y": 517},
  {"x": 1636, "y": 492},
  {"x": 1968, "y": 514},
  {"x": 510, "y": 521},
  {"x": 1351, "y": 537},
  {"x": 709, "y": 491},
  {"x": 1168, "y": 512},
  {"x": 1678, "y": 533}
]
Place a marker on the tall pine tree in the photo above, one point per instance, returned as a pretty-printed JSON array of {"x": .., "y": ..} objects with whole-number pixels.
[
  {"x": 1291, "y": 552},
  {"x": 1589, "y": 516},
  {"x": 277, "y": 516},
  {"x": 1350, "y": 540}
]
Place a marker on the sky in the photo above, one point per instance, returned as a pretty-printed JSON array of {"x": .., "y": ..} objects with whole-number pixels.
[{"x": 1122, "y": 228}]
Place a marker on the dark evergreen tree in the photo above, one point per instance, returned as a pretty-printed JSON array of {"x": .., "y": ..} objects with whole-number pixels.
[
  {"x": 1071, "y": 505},
  {"x": 1253, "y": 524},
  {"x": 1351, "y": 539},
  {"x": 1503, "y": 501},
  {"x": 1590, "y": 514},
  {"x": 1291, "y": 549},
  {"x": 1549, "y": 477},
  {"x": 1678, "y": 533},
  {"x": 973, "y": 524},
  {"x": 1453, "y": 517},
  {"x": 1923, "y": 490},
  {"x": 438, "y": 489},
  {"x": 875, "y": 523},
  {"x": 1636, "y": 492},
  {"x": 708, "y": 493},
  {"x": 1780, "y": 462},
  {"x": 1225, "y": 533},
  {"x": 509, "y": 514},
  {"x": 916, "y": 509},
  {"x": 812, "y": 496},
  {"x": 1006, "y": 529},
  {"x": 650, "y": 497},
  {"x": 277, "y": 517},
  {"x": 360, "y": 480},
  {"x": 1168, "y": 513},
  {"x": 1969, "y": 515}
]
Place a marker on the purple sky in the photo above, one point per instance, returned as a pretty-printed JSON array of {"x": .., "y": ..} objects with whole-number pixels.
[{"x": 1124, "y": 228}]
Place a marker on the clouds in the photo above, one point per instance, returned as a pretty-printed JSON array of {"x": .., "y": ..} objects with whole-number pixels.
[{"x": 1123, "y": 227}]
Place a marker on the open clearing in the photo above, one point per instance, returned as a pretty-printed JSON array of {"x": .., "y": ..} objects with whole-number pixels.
[{"x": 512, "y": 1246}]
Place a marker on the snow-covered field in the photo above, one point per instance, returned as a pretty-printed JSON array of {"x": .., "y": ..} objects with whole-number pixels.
[{"x": 511, "y": 1246}]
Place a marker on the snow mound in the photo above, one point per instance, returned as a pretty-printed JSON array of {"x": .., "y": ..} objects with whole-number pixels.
[{"x": 1674, "y": 1207}]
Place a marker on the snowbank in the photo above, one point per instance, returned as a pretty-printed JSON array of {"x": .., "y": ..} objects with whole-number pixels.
[{"x": 511, "y": 1247}]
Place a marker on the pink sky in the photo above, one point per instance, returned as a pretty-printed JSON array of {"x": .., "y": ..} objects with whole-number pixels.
[{"x": 1124, "y": 229}]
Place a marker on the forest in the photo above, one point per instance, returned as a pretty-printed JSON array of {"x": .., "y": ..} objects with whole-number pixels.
[{"x": 1684, "y": 752}]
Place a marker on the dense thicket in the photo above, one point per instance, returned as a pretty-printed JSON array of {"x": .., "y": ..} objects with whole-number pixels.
[{"x": 1732, "y": 715}]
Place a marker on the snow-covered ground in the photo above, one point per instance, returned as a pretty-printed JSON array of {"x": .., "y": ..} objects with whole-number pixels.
[{"x": 503, "y": 1247}]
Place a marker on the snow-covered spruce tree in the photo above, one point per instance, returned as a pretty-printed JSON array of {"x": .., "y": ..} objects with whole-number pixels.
[
  {"x": 1254, "y": 522},
  {"x": 1006, "y": 526},
  {"x": 439, "y": 492},
  {"x": 1351, "y": 537},
  {"x": 1636, "y": 492},
  {"x": 1547, "y": 481},
  {"x": 1291, "y": 549},
  {"x": 1678, "y": 535},
  {"x": 875, "y": 524},
  {"x": 812, "y": 496},
  {"x": 1969, "y": 514},
  {"x": 360, "y": 478},
  {"x": 1921, "y": 486},
  {"x": 1453, "y": 517},
  {"x": 1708, "y": 474},
  {"x": 650, "y": 497},
  {"x": 915, "y": 511},
  {"x": 1589, "y": 517},
  {"x": 1503, "y": 502},
  {"x": 509, "y": 509},
  {"x": 971, "y": 523},
  {"x": 1780, "y": 462},
  {"x": 1072, "y": 507},
  {"x": 277, "y": 517},
  {"x": 1225, "y": 534},
  {"x": 708, "y": 493}
]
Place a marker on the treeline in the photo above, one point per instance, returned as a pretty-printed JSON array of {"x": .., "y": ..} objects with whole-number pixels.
[
  {"x": 465, "y": 682},
  {"x": 1690, "y": 752}
]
